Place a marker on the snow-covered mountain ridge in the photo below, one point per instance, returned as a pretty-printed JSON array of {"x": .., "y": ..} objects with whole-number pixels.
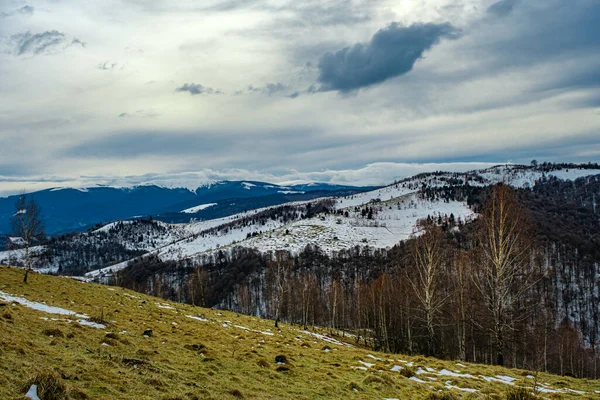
[
  {"x": 68, "y": 210},
  {"x": 378, "y": 218}
]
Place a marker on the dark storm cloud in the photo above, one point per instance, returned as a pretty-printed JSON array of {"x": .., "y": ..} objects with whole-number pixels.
[
  {"x": 391, "y": 52},
  {"x": 568, "y": 149},
  {"x": 540, "y": 50},
  {"x": 269, "y": 89},
  {"x": 233, "y": 147},
  {"x": 536, "y": 32},
  {"x": 40, "y": 43},
  {"x": 25, "y": 10},
  {"x": 9, "y": 171},
  {"x": 502, "y": 8},
  {"x": 340, "y": 12},
  {"x": 195, "y": 89},
  {"x": 312, "y": 13},
  {"x": 143, "y": 113},
  {"x": 230, "y": 5}
]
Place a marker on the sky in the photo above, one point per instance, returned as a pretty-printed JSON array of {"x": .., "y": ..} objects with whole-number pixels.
[{"x": 343, "y": 91}]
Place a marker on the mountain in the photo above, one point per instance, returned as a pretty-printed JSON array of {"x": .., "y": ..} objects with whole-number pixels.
[
  {"x": 68, "y": 209},
  {"x": 76, "y": 340},
  {"x": 264, "y": 223},
  {"x": 349, "y": 261}
]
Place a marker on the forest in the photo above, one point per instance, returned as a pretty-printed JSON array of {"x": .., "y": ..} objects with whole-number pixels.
[{"x": 518, "y": 287}]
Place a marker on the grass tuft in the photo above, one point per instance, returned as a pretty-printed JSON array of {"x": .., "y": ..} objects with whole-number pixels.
[
  {"x": 441, "y": 396},
  {"x": 371, "y": 379},
  {"x": 53, "y": 332},
  {"x": 263, "y": 363},
  {"x": 519, "y": 393},
  {"x": 49, "y": 385}
]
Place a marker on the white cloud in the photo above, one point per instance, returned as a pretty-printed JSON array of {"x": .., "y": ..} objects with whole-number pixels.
[
  {"x": 468, "y": 99},
  {"x": 376, "y": 174}
]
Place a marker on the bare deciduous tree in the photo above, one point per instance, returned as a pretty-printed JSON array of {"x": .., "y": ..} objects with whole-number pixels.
[
  {"x": 503, "y": 275},
  {"x": 279, "y": 271},
  {"x": 27, "y": 224},
  {"x": 427, "y": 255}
]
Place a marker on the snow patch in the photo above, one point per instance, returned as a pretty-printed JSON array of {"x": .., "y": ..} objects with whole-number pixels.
[
  {"x": 40, "y": 307},
  {"x": 32, "y": 393},
  {"x": 326, "y": 338},
  {"x": 254, "y": 330},
  {"x": 197, "y": 318},
  {"x": 445, "y": 372},
  {"x": 83, "y": 318},
  {"x": 91, "y": 324},
  {"x": 193, "y": 210},
  {"x": 366, "y": 364}
]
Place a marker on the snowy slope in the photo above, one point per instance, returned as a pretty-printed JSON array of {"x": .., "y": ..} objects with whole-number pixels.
[
  {"x": 396, "y": 210},
  {"x": 526, "y": 178},
  {"x": 393, "y": 221}
]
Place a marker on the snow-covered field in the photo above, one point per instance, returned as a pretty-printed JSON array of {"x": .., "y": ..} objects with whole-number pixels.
[
  {"x": 526, "y": 178},
  {"x": 393, "y": 221}
]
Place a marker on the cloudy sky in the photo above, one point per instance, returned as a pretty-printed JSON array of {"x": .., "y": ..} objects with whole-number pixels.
[{"x": 353, "y": 91}]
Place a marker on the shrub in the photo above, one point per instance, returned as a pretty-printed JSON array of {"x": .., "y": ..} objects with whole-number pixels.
[
  {"x": 112, "y": 335},
  {"x": 519, "y": 393},
  {"x": 53, "y": 332},
  {"x": 408, "y": 372}
]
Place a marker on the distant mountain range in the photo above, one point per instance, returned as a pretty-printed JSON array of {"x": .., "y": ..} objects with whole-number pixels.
[{"x": 77, "y": 209}]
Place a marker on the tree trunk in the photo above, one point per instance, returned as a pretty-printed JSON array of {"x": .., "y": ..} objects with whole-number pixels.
[
  {"x": 499, "y": 344},
  {"x": 27, "y": 264}
]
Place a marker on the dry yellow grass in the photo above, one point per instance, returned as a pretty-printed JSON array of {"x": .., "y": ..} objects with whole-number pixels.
[{"x": 187, "y": 358}]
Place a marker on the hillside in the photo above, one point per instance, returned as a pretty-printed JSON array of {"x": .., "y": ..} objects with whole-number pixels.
[
  {"x": 69, "y": 210},
  {"x": 193, "y": 353},
  {"x": 345, "y": 222},
  {"x": 377, "y": 218}
]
